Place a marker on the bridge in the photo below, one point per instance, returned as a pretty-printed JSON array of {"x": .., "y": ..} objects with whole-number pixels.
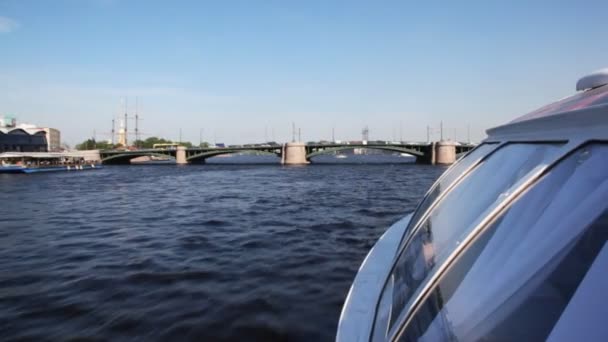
[{"x": 443, "y": 152}]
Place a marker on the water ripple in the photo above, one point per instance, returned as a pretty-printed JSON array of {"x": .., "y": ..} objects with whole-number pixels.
[{"x": 212, "y": 252}]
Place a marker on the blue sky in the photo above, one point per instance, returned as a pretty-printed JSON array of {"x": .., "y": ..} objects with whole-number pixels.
[{"x": 239, "y": 69}]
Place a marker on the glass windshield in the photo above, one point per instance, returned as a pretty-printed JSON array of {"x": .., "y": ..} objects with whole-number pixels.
[
  {"x": 452, "y": 219},
  {"x": 514, "y": 281},
  {"x": 448, "y": 178}
]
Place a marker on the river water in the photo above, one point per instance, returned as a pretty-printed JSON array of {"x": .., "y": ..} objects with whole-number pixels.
[{"x": 217, "y": 252}]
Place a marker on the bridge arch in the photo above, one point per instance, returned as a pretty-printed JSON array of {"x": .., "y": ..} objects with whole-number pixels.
[
  {"x": 200, "y": 157},
  {"x": 125, "y": 158},
  {"x": 417, "y": 154}
]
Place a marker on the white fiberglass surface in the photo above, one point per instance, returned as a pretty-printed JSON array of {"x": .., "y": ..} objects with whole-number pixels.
[
  {"x": 452, "y": 219},
  {"x": 516, "y": 279},
  {"x": 580, "y": 100}
]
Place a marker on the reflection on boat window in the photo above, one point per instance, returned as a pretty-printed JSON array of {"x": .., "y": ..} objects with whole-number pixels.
[
  {"x": 517, "y": 278},
  {"x": 453, "y": 217},
  {"x": 448, "y": 178}
]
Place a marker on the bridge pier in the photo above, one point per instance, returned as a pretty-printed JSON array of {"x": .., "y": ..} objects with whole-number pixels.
[
  {"x": 440, "y": 152},
  {"x": 445, "y": 152},
  {"x": 294, "y": 153},
  {"x": 180, "y": 155}
]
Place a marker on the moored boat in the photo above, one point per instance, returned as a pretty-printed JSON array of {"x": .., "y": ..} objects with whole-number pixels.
[{"x": 38, "y": 162}]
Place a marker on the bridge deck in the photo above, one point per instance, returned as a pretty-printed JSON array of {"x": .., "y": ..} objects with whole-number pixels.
[{"x": 420, "y": 150}]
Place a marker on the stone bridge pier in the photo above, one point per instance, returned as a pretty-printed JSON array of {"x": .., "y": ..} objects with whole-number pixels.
[
  {"x": 445, "y": 152},
  {"x": 294, "y": 153},
  {"x": 440, "y": 152},
  {"x": 180, "y": 156}
]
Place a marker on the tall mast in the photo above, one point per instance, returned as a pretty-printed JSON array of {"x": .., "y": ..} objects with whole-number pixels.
[
  {"x": 113, "y": 131},
  {"x": 126, "y": 131},
  {"x": 136, "y": 120}
]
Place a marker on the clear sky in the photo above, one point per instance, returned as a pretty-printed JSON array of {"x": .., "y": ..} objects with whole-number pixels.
[{"x": 241, "y": 70}]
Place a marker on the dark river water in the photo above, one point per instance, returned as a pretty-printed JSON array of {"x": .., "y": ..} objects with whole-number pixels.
[{"x": 215, "y": 252}]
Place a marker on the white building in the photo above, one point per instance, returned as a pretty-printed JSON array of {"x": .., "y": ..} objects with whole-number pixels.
[{"x": 7, "y": 122}]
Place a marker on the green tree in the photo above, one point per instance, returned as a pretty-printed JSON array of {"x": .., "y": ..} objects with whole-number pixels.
[
  {"x": 91, "y": 144},
  {"x": 138, "y": 143},
  {"x": 88, "y": 144},
  {"x": 149, "y": 143}
]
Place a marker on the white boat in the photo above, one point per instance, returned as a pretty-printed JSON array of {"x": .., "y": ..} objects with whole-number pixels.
[
  {"x": 37, "y": 162},
  {"x": 341, "y": 156},
  {"x": 510, "y": 243}
]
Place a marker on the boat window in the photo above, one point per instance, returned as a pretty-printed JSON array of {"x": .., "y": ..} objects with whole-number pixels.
[
  {"x": 451, "y": 219},
  {"x": 448, "y": 178},
  {"x": 518, "y": 276}
]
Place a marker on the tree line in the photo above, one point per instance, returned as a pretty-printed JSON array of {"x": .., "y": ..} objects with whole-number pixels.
[{"x": 92, "y": 144}]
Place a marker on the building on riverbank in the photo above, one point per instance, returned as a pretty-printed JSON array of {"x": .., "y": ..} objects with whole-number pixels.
[{"x": 27, "y": 137}]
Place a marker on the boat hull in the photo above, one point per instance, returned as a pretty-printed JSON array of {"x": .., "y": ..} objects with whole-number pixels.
[{"x": 29, "y": 170}]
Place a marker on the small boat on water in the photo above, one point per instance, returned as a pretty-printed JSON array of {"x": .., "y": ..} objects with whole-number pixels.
[
  {"x": 36, "y": 162},
  {"x": 341, "y": 156},
  {"x": 510, "y": 243}
]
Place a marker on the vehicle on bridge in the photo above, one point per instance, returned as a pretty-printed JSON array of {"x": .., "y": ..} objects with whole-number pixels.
[{"x": 510, "y": 243}]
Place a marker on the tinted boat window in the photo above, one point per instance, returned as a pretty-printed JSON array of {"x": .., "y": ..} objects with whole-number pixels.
[
  {"x": 446, "y": 180},
  {"x": 515, "y": 281},
  {"x": 452, "y": 218}
]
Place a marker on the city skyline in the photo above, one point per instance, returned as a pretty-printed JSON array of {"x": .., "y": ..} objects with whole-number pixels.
[{"x": 241, "y": 70}]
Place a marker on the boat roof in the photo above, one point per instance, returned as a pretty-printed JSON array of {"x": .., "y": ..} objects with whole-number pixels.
[
  {"x": 583, "y": 113},
  {"x": 40, "y": 155}
]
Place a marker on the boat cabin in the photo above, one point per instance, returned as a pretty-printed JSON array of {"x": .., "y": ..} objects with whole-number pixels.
[{"x": 510, "y": 243}]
